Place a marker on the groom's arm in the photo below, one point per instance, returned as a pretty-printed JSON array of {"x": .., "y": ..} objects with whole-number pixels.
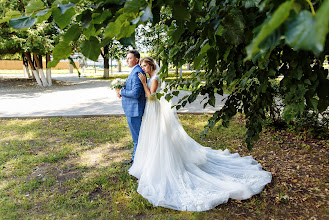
[{"x": 136, "y": 91}]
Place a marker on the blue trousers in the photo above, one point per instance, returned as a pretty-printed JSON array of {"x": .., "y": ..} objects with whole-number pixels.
[{"x": 134, "y": 127}]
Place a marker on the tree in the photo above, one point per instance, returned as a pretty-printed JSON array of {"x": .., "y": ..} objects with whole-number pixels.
[
  {"x": 113, "y": 50},
  {"x": 31, "y": 43},
  {"x": 243, "y": 44},
  {"x": 247, "y": 47}
]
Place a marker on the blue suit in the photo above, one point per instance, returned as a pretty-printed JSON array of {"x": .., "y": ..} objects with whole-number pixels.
[{"x": 133, "y": 103}]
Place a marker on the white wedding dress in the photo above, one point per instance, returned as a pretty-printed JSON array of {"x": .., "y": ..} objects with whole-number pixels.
[{"x": 176, "y": 172}]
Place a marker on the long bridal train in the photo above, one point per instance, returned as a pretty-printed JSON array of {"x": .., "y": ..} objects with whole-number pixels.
[{"x": 176, "y": 172}]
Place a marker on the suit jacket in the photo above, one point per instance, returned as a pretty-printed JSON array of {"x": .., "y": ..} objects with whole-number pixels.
[{"x": 133, "y": 95}]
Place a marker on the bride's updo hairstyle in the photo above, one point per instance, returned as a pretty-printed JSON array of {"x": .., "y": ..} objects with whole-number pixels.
[{"x": 149, "y": 61}]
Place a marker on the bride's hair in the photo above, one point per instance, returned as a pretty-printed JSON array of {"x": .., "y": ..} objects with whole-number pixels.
[{"x": 150, "y": 62}]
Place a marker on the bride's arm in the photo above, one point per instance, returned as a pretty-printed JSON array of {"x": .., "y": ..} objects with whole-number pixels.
[{"x": 154, "y": 85}]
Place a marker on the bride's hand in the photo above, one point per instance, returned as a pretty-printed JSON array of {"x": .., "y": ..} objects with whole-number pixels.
[{"x": 142, "y": 77}]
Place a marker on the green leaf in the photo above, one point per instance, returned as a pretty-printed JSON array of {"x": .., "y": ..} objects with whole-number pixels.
[
  {"x": 175, "y": 93},
  {"x": 234, "y": 25},
  {"x": 279, "y": 16},
  {"x": 159, "y": 95},
  {"x": 205, "y": 48},
  {"x": 322, "y": 24},
  {"x": 312, "y": 102},
  {"x": 43, "y": 15},
  {"x": 62, "y": 20},
  {"x": 133, "y": 6},
  {"x": 33, "y": 6},
  {"x": 61, "y": 51},
  {"x": 52, "y": 63},
  {"x": 251, "y": 3},
  {"x": 98, "y": 18},
  {"x": 85, "y": 17},
  {"x": 212, "y": 101},
  {"x": 197, "y": 61},
  {"x": 168, "y": 97},
  {"x": 121, "y": 28},
  {"x": 192, "y": 97},
  {"x": 22, "y": 22},
  {"x": 124, "y": 18},
  {"x": 177, "y": 34},
  {"x": 128, "y": 41},
  {"x": 301, "y": 33},
  {"x": 43, "y": 12},
  {"x": 227, "y": 52},
  {"x": 112, "y": 29},
  {"x": 65, "y": 7},
  {"x": 126, "y": 31},
  {"x": 90, "y": 31},
  {"x": 91, "y": 48},
  {"x": 10, "y": 15},
  {"x": 181, "y": 13},
  {"x": 73, "y": 33}
]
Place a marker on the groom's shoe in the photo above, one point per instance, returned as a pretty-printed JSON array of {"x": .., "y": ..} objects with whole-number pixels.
[{"x": 129, "y": 161}]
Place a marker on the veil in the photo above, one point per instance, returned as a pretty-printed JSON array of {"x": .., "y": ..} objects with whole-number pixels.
[{"x": 157, "y": 68}]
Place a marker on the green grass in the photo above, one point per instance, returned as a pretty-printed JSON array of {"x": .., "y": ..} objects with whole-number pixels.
[{"x": 72, "y": 168}]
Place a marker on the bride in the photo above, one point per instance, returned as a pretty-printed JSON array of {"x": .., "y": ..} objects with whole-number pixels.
[{"x": 176, "y": 172}]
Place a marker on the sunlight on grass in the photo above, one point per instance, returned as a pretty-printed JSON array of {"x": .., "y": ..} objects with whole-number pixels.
[
  {"x": 72, "y": 168},
  {"x": 102, "y": 156}
]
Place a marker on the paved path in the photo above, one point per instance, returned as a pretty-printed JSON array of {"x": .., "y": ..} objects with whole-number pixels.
[{"x": 84, "y": 97}]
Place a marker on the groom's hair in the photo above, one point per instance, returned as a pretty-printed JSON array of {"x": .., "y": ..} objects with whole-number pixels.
[{"x": 136, "y": 54}]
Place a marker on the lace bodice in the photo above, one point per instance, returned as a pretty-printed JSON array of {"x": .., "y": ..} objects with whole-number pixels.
[{"x": 157, "y": 78}]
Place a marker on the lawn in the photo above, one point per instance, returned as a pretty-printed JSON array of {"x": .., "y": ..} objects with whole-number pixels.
[{"x": 72, "y": 168}]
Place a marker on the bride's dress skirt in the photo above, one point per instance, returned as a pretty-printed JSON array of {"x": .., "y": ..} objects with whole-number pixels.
[{"x": 176, "y": 172}]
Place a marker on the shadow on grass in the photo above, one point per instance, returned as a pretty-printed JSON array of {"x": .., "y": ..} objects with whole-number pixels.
[{"x": 73, "y": 168}]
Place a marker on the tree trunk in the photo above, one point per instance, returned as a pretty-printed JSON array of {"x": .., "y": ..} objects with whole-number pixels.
[
  {"x": 71, "y": 68},
  {"x": 48, "y": 70},
  {"x": 83, "y": 64},
  {"x": 119, "y": 66},
  {"x": 106, "y": 74},
  {"x": 111, "y": 68},
  {"x": 38, "y": 62},
  {"x": 188, "y": 66},
  {"x": 176, "y": 71},
  {"x": 181, "y": 72},
  {"x": 26, "y": 67},
  {"x": 33, "y": 69}
]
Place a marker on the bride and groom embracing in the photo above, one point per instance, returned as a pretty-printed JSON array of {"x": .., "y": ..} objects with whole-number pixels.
[{"x": 173, "y": 170}]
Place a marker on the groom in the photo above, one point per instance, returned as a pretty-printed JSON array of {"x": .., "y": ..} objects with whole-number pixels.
[{"x": 133, "y": 97}]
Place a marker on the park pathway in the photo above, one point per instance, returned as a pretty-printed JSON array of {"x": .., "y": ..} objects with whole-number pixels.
[{"x": 81, "y": 97}]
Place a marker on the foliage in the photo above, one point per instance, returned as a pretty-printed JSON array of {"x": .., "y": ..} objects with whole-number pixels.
[
  {"x": 245, "y": 46},
  {"x": 11, "y": 57},
  {"x": 39, "y": 39},
  {"x": 241, "y": 44},
  {"x": 116, "y": 50}
]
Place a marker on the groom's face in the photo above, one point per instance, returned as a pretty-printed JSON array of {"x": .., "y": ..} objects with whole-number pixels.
[{"x": 132, "y": 60}]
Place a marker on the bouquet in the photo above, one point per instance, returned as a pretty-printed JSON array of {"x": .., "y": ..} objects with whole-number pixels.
[{"x": 118, "y": 83}]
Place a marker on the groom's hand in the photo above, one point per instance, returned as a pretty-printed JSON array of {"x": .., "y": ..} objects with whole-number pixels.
[{"x": 118, "y": 93}]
